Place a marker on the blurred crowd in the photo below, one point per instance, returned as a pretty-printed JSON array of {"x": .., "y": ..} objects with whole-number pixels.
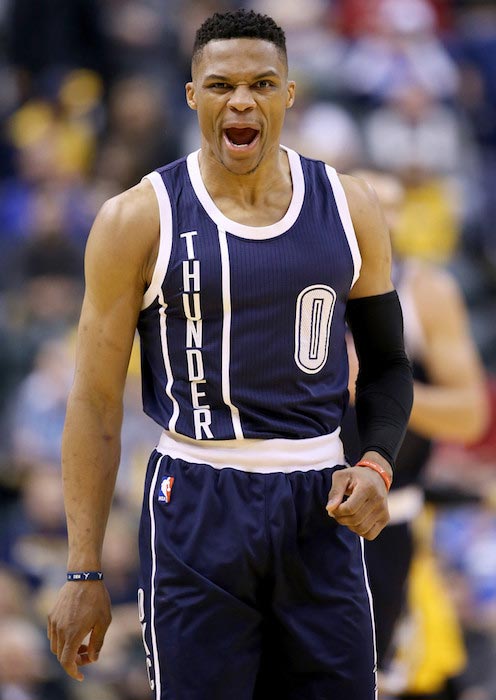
[{"x": 93, "y": 99}]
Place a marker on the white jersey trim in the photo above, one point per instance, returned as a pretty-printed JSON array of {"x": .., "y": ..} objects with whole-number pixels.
[
  {"x": 257, "y": 456},
  {"x": 165, "y": 245},
  {"x": 344, "y": 213},
  {"x": 243, "y": 230},
  {"x": 167, "y": 363},
  {"x": 226, "y": 334}
]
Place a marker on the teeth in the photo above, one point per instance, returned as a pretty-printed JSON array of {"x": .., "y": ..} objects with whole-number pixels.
[{"x": 240, "y": 146}]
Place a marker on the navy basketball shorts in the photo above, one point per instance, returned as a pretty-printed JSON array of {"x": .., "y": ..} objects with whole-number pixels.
[{"x": 249, "y": 590}]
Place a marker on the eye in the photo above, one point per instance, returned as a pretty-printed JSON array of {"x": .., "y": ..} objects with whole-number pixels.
[
  {"x": 219, "y": 86},
  {"x": 263, "y": 84}
]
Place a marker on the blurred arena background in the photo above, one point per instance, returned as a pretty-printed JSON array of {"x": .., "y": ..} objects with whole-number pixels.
[{"x": 92, "y": 98}]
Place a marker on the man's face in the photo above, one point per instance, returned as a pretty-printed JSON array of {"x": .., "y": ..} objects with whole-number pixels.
[{"x": 241, "y": 91}]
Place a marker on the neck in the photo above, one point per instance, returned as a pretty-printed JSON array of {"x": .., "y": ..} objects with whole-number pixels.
[
  {"x": 272, "y": 173},
  {"x": 259, "y": 198}
]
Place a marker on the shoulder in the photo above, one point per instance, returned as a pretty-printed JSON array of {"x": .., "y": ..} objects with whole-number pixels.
[
  {"x": 372, "y": 237},
  {"x": 126, "y": 229},
  {"x": 136, "y": 207},
  {"x": 361, "y": 197},
  {"x": 367, "y": 217}
]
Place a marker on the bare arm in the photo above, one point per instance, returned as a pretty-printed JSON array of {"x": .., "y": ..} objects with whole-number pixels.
[
  {"x": 119, "y": 258},
  {"x": 372, "y": 236},
  {"x": 453, "y": 406}
]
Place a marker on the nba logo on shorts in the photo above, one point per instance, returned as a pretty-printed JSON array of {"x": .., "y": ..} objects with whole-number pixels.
[{"x": 166, "y": 489}]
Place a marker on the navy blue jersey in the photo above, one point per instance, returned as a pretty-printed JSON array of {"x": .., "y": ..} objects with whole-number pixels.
[{"x": 242, "y": 328}]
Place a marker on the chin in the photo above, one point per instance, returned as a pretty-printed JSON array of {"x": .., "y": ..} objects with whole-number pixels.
[{"x": 241, "y": 166}]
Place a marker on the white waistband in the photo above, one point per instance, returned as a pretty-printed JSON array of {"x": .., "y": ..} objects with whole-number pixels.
[{"x": 258, "y": 456}]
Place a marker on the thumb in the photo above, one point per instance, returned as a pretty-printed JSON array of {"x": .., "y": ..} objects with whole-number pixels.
[
  {"x": 96, "y": 641},
  {"x": 340, "y": 482}
]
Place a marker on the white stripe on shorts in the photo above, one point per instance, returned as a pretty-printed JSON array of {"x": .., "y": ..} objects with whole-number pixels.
[
  {"x": 156, "y": 664},
  {"x": 372, "y": 618}
]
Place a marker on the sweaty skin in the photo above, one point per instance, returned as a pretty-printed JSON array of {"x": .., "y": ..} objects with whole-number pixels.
[{"x": 249, "y": 184}]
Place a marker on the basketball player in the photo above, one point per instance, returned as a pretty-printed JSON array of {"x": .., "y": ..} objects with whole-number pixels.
[
  {"x": 450, "y": 404},
  {"x": 238, "y": 264}
]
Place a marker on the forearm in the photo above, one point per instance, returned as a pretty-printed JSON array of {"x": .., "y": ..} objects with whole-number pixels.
[
  {"x": 383, "y": 407},
  {"x": 454, "y": 414},
  {"x": 384, "y": 384},
  {"x": 90, "y": 460}
]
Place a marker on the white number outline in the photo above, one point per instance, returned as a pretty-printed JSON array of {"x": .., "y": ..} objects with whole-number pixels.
[{"x": 319, "y": 339}]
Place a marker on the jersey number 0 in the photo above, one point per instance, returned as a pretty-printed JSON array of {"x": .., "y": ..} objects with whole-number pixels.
[{"x": 314, "y": 309}]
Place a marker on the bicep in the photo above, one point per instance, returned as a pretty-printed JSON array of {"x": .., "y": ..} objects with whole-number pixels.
[
  {"x": 113, "y": 297},
  {"x": 373, "y": 239},
  {"x": 104, "y": 345}
]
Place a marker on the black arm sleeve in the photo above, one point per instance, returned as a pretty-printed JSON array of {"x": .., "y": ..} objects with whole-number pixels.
[{"x": 384, "y": 387}]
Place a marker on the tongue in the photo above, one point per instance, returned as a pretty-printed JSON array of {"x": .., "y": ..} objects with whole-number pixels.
[{"x": 241, "y": 136}]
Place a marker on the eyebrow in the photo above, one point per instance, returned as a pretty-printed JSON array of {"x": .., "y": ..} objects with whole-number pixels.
[{"x": 270, "y": 73}]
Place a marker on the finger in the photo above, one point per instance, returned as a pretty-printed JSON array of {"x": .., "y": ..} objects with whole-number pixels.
[
  {"x": 67, "y": 660},
  {"x": 351, "y": 507},
  {"x": 54, "y": 643},
  {"x": 96, "y": 640},
  {"x": 60, "y": 644},
  {"x": 360, "y": 500},
  {"x": 374, "y": 531},
  {"x": 354, "y": 521},
  {"x": 364, "y": 519},
  {"x": 82, "y": 656},
  {"x": 52, "y": 636},
  {"x": 340, "y": 484},
  {"x": 377, "y": 526},
  {"x": 71, "y": 668},
  {"x": 372, "y": 526}
]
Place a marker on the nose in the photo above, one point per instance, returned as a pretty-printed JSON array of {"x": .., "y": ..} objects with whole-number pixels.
[{"x": 241, "y": 98}]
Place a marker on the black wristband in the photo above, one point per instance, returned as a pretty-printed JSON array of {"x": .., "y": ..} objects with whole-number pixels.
[{"x": 84, "y": 576}]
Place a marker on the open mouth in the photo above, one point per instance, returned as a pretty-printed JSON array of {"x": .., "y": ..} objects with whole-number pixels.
[{"x": 238, "y": 137}]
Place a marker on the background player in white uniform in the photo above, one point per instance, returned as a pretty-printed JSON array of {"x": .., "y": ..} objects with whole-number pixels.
[{"x": 249, "y": 588}]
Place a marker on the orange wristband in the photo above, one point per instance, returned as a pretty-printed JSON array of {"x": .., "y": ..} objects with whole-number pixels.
[{"x": 377, "y": 468}]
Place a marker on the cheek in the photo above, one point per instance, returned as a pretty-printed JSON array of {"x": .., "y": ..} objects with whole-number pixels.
[
  {"x": 207, "y": 113},
  {"x": 207, "y": 122},
  {"x": 277, "y": 117}
]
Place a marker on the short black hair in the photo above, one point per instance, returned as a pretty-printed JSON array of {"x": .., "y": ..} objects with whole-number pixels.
[{"x": 238, "y": 24}]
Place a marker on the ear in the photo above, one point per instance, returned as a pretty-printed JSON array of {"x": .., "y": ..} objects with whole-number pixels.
[
  {"x": 190, "y": 95},
  {"x": 291, "y": 94}
]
